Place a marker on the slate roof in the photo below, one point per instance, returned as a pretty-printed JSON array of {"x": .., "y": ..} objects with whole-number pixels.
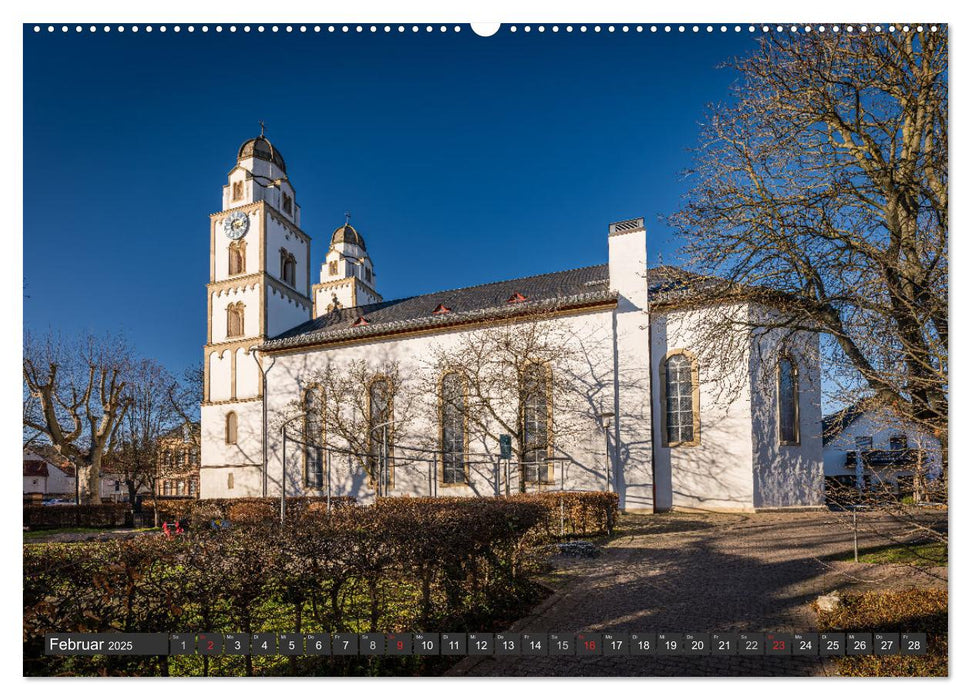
[
  {"x": 835, "y": 423},
  {"x": 567, "y": 289}
]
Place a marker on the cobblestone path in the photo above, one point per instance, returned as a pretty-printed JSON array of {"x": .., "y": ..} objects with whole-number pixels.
[{"x": 702, "y": 573}]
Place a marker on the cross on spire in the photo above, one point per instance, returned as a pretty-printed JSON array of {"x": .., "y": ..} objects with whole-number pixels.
[
  {"x": 347, "y": 218},
  {"x": 262, "y": 128}
]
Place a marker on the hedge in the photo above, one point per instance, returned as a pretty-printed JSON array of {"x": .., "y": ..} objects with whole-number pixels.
[
  {"x": 56, "y": 516},
  {"x": 400, "y": 565}
]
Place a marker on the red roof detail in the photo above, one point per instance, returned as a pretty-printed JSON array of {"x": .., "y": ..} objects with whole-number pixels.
[
  {"x": 441, "y": 309},
  {"x": 515, "y": 298},
  {"x": 361, "y": 321}
]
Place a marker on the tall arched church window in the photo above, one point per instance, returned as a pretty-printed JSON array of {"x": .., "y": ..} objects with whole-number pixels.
[
  {"x": 537, "y": 412},
  {"x": 680, "y": 400},
  {"x": 313, "y": 438},
  {"x": 231, "y": 428},
  {"x": 237, "y": 257},
  {"x": 380, "y": 433},
  {"x": 234, "y": 320},
  {"x": 453, "y": 428},
  {"x": 788, "y": 401}
]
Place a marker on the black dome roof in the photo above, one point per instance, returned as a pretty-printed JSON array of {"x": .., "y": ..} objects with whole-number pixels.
[
  {"x": 347, "y": 234},
  {"x": 261, "y": 148}
]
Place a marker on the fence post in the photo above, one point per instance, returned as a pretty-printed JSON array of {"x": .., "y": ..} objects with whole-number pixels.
[
  {"x": 856, "y": 549},
  {"x": 327, "y": 457}
]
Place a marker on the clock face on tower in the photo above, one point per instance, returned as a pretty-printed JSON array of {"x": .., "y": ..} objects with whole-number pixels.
[{"x": 235, "y": 225}]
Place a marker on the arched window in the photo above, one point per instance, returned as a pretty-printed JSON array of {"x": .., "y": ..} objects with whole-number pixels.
[
  {"x": 380, "y": 433},
  {"x": 237, "y": 257},
  {"x": 537, "y": 447},
  {"x": 681, "y": 400},
  {"x": 230, "y": 481},
  {"x": 235, "y": 315},
  {"x": 788, "y": 401},
  {"x": 231, "y": 427},
  {"x": 453, "y": 428},
  {"x": 313, "y": 438},
  {"x": 288, "y": 267}
]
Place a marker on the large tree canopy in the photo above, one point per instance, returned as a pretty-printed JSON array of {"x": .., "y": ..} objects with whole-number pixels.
[{"x": 823, "y": 187}]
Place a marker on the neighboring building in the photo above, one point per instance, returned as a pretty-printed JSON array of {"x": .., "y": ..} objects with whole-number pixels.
[
  {"x": 178, "y": 463},
  {"x": 870, "y": 449},
  {"x": 656, "y": 422},
  {"x": 45, "y": 477}
]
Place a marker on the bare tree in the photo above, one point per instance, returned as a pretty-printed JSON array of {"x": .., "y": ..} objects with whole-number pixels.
[
  {"x": 150, "y": 415},
  {"x": 821, "y": 192},
  {"x": 185, "y": 397},
  {"x": 347, "y": 410},
  {"x": 79, "y": 399},
  {"x": 531, "y": 379}
]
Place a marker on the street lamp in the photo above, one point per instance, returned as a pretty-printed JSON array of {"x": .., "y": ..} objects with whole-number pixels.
[{"x": 605, "y": 419}]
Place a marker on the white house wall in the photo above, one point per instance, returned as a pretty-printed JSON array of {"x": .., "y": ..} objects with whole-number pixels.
[{"x": 881, "y": 428}]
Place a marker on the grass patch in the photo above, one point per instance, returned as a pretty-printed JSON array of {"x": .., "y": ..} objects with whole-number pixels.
[
  {"x": 924, "y": 554},
  {"x": 914, "y": 610}
]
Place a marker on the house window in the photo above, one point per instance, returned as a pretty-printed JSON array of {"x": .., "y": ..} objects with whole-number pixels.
[
  {"x": 863, "y": 442},
  {"x": 231, "y": 425},
  {"x": 166, "y": 488},
  {"x": 332, "y": 268},
  {"x": 681, "y": 404},
  {"x": 179, "y": 488},
  {"x": 788, "y": 402},
  {"x": 193, "y": 488},
  {"x": 287, "y": 203},
  {"x": 237, "y": 190},
  {"x": 230, "y": 481},
  {"x": 898, "y": 442},
  {"x": 288, "y": 267},
  {"x": 235, "y": 320},
  {"x": 453, "y": 428},
  {"x": 237, "y": 257},
  {"x": 380, "y": 432},
  {"x": 117, "y": 485},
  {"x": 536, "y": 424},
  {"x": 313, "y": 438}
]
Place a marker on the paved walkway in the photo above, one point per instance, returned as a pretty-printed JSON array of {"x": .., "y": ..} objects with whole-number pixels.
[{"x": 702, "y": 573}]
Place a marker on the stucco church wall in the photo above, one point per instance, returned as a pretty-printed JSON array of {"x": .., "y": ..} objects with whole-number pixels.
[
  {"x": 582, "y": 453},
  {"x": 284, "y": 312},
  {"x": 279, "y": 236},
  {"x": 785, "y": 475},
  {"x": 249, "y": 294},
  {"x": 243, "y": 460},
  {"x": 716, "y": 473}
]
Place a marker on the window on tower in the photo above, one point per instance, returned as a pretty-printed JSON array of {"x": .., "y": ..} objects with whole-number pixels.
[
  {"x": 237, "y": 257},
  {"x": 287, "y": 203},
  {"x": 288, "y": 267},
  {"x": 234, "y": 320},
  {"x": 237, "y": 191},
  {"x": 332, "y": 268}
]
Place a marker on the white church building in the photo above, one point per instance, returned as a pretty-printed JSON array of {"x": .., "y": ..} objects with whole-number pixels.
[{"x": 625, "y": 402}]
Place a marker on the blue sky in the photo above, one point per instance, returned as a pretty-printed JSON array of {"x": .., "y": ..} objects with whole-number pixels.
[{"x": 462, "y": 159}]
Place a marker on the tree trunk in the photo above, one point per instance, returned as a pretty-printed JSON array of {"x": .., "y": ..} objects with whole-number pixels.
[{"x": 89, "y": 478}]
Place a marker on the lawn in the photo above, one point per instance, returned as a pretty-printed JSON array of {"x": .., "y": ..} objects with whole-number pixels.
[{"x": 918, "y": 554}]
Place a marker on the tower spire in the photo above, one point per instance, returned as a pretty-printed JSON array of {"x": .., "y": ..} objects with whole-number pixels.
[
  {"x": 262, "y": 128},
  {"x": 347, "y": 218}
]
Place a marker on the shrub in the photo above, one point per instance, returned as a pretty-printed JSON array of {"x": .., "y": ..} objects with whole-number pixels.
[
  {"x": 914, "y": 610},
  {"x": 57, "y": 516}
]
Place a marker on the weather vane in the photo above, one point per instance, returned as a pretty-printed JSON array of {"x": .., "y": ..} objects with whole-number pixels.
[{"x": 262, "y": 128}]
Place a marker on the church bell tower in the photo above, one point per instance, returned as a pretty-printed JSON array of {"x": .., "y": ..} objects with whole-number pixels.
[{"x": 259, "y": 286}]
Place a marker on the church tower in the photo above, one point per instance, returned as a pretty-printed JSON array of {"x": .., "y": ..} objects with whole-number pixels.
[
  {"x": 347, "y": 275},
  {"x": 259, "y": 286}
]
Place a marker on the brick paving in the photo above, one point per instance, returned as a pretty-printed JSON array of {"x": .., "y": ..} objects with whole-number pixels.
[{"x": 704, "y": 573}]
